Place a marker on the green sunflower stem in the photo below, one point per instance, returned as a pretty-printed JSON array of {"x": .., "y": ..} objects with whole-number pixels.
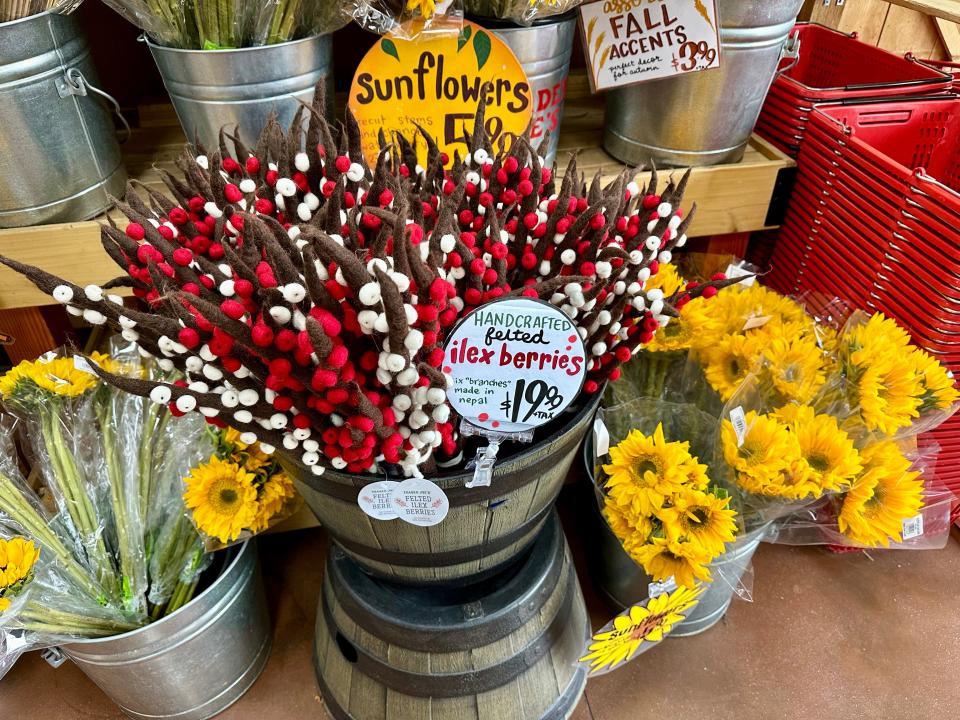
[{"x": 67, "y": 476}]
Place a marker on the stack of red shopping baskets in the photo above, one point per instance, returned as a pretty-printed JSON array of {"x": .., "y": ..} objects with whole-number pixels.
[
  {"x": 832, "y": 66},
  {"x": 875, "y": 219}
]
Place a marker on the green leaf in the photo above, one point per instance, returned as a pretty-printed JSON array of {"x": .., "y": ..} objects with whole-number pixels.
[
  {"x": 482, "y": 47},
  {"x": 389, "y": 48},
  {"x": 463, "y": 37}
]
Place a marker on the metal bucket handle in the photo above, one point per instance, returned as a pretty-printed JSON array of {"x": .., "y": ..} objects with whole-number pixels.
[
  {"x": 73, "y": 82},
  {"x": 791, "y": 51}
]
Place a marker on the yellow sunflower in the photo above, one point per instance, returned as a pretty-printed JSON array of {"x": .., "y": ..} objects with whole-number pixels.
[
  {"x": 4, "y": 603},
  {"x": 828, "y": 452},
  {"x": 768, "y": 449},
  {"x": 888, "y": 493},
  {"x": 795, "y": 367},
  {"x": 57, "y": 375},
  {"x": 727, "y": 363},
  {"x": 222, "y": 497},
  {"x": 250, "y": 456},
  {"x": 17, "y": 558},
  {"x": 425, "y": 7},
  {"x": 645, "y": 469},
  {"x": 648, "y": 623},
  {"x": 887, "y": 393},
  {"x": 666, "y": 279},
  {"x": 631, "y": 528},
  {"x": 273, "y": 496},
  {"x": 701, "y": 518},
  {"x": 939, "y": 390},
  {"x": 662, "y": 558}
]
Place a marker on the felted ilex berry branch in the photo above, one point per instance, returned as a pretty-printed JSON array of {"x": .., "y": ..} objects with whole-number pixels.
[{"x": 305, "y": 296}]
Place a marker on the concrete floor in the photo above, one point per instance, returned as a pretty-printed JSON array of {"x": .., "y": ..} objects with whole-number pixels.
[{"x": 827, "y": 637}]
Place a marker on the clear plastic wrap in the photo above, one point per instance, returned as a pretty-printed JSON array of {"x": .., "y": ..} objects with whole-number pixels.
[
  {"x": 524, "y": 12},
  {"x": 405, "y": 18},
  {"x": 282, "y": 20},
  {"x": 262, "y": 492},
  {"x": 55, "y": 403},
  {"x": 41, "y": 606},
  {"x": 659, "y": 499},
  {"x": 166, "y": 22}
]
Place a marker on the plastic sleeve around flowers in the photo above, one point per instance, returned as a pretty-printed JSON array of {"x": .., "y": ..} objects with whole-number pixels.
[
  {"x": 280, "y": 21},
  {"x": 405, "y": 18},
  {"x": 180, "y": 444},
  {"x": 912, "y": 511},
  {"x": 525, "y": 12}
]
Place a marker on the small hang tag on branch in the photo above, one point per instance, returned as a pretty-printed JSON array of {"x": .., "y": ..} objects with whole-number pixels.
[
  {"x": 631, "y": 42},
  {"x": 514, "y": 365}
]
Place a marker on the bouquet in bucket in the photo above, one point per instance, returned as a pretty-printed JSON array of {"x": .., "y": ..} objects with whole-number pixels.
[
  {"x": 107, "y": 542},
  {"x": 229, "y": 24},
  {"x": 383, "y": 16},
  {"x": 305, "y": 297}
]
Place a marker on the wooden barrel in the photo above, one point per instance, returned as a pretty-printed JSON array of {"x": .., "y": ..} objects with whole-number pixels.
[
  {"x": 502, "y": 649},
  {"x": 485, "y": 528}
]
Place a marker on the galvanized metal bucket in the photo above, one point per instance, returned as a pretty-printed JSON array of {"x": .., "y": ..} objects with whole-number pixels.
[
  {"x": 543, "y": 50},
  {"x": 59, "y": 158},
  {"x": 194, "y": 663},
  {"x": 704, "y": 118},
  {"x": 211, "y": 89},
  {"x": 624, "y": 583}
]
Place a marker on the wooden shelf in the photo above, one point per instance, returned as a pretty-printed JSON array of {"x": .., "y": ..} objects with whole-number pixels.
[
  {"x": 730, "y": 198},
  {"x": 945, "y": 9}
]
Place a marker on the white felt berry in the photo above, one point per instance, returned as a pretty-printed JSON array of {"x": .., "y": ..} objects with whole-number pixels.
[
  {"x": 301, "y": 162},
  {"x": 447, "y": 243},
  {"x": 312, "y": 201},
  {"x": 664, "y": 209},
  {"x": 369, "y": 294},
  {"x": 211, "y": 209},
  {"x": 636, "y": 257},
  {"x": 355, "y": 173},
  {"x": 293, "y": 292},
  {"x": 303, "y": 212},
  {"x": 130, "y": 335},
  {"x": 186, "y": 403},
  {"x": 248, "y": 438},
  {"x": 665, "y": 256},
  {"x": 280, "y": 314},
  {"x": 278, "y": 421},
  {"x": 652, "y": 243},
  {"x": 243, "y": 416},
  {"x": 94, "y": 317},
  {"x": 290, "y": 442},
  {"x": 407, "y": 377},
  {"x": 249, "y": 397},
  {"x": 441, "y": 413},
  {"x": 286, "y": 187},
  {"x": 395, "y": 363},
  {"x": 302, "y": 434},
  {"x": 160, "y": 394},
  {"x": 247, "y": 186},
  {"x": 62, "y": 294},
  {"x": 229, "y": 399}
]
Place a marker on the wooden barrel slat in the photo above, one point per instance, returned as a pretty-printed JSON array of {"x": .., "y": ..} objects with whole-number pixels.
[
  {"x": 524, "y": 486},
  {"x": 530, "y": 673}
]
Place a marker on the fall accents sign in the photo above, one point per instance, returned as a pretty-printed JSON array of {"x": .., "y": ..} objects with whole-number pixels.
[
  {"x": 435, "y": 80},
  {"x": 630, "y": 41}
]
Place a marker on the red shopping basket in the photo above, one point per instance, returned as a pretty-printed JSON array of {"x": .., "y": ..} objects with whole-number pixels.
[{"x": 833, "y": 67}]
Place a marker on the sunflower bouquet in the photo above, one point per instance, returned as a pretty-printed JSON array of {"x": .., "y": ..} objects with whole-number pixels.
[
  {"x": 238, "y": 492},
  {"x": 830, "y": 432}
]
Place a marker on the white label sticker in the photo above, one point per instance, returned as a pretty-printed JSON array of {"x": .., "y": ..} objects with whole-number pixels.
[
  {"x": 756, "y": 321},
  {"x": 376, "y": 500},
  {"x": 420, "y": 502},
  {"x": 912, "y": 527},
  {"x": 659, "y": 588},
  {"x": 631, "y": 42},
  {"x": 735, "y": 270},
  {"x": 514, "y": 365},
  {"x": 739, "y": 422},
  {"x": 601, "y": 438},
  {"x": 82, "y": 364}
]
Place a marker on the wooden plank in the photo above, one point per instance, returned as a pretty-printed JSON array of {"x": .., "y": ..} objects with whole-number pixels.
[
  {"x": 866, "y": 18},
  {"x": 946, "y": 9},
  {"x": 826, "y": 12},
  {"x": 950, "y": 37},
  {"x": 907, "y": 30}
]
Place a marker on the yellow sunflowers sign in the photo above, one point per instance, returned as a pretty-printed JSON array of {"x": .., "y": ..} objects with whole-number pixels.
[
  {"x": 638, "y": 629},
  {"x": 435, "y": 79}
]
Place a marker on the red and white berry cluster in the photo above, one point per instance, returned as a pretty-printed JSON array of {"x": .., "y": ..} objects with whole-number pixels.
[{"x": 305, "y": 296}]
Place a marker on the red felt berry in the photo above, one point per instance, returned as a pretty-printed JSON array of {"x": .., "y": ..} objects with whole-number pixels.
[
  {"x": 253, "y": 165},
  {"x": 232, "y": 309},
  {"x": 232, "y": 193},
  {"x": 261, "y": 335},
  {"x": 342, "y": 163},
  {"x": 182, "y": 256},
  {"x": 285, "y": 341}
]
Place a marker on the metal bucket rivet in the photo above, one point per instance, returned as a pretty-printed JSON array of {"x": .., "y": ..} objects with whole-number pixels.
[
  {"x": 212, "y": 89},
  {"x": 194, "y": 663},
  {"x": 704, "y": 118},
  {"x": 59, "y": 158}
]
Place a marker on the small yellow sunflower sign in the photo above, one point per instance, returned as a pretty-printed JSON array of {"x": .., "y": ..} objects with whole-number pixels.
[
  {"x": 434, "y": 80},
  {"x": 638, "y": 629}
]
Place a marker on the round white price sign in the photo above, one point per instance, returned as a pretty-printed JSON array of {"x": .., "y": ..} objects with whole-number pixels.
[{"x": 515, "y": 364}]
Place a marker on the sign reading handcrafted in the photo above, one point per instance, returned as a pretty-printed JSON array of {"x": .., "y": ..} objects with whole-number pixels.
[
  {"x": 629, "y": 41},
  {"x": 435, "y": 80},
  {"x": 515, "y": 365}
]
